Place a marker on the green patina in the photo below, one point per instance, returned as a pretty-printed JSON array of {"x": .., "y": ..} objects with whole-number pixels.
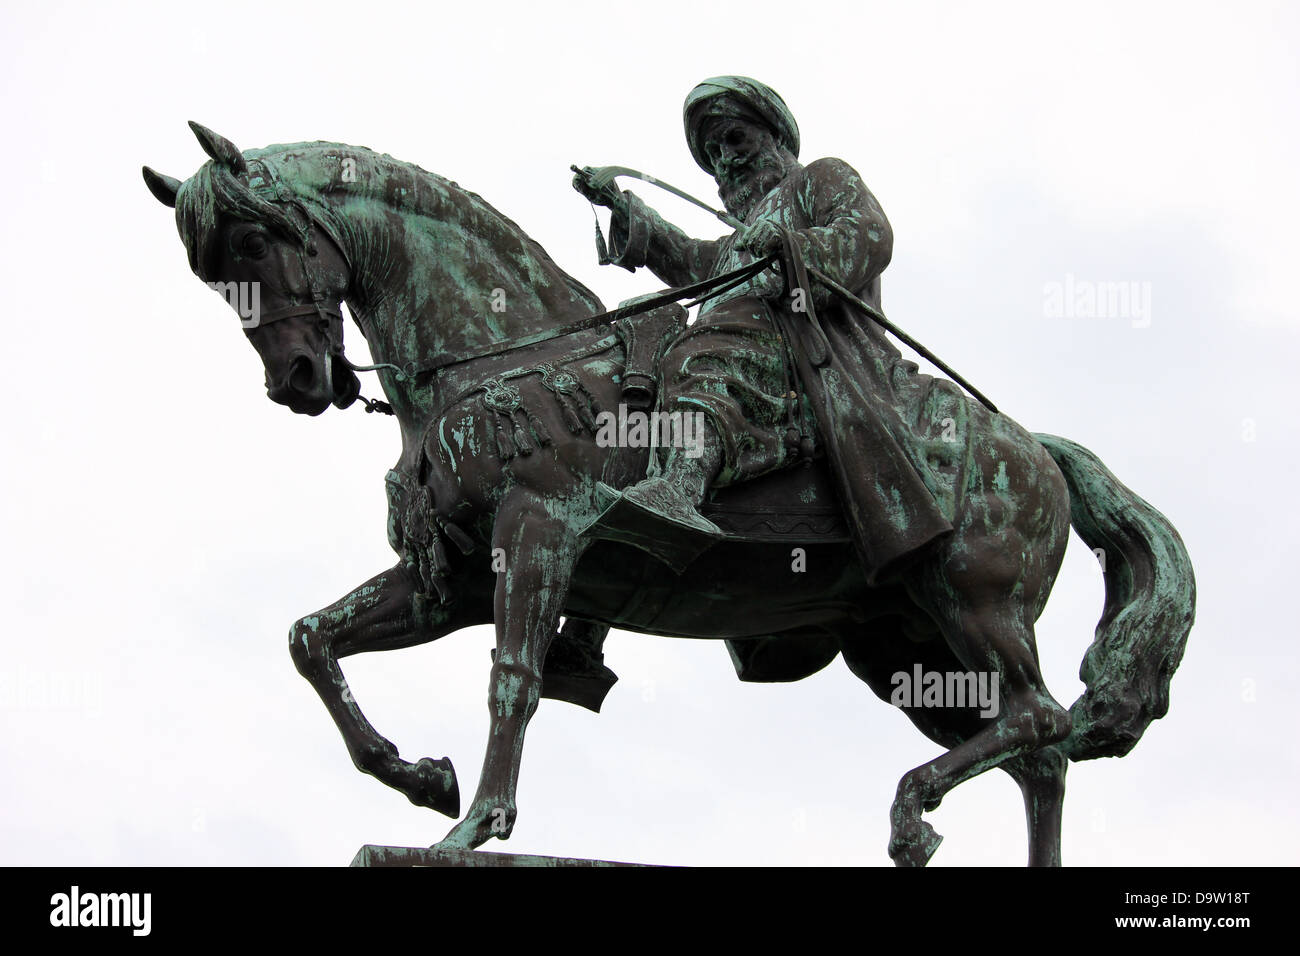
[
  {"x": 1000, "y": 481},
  {"x": 984, "y": 513}
]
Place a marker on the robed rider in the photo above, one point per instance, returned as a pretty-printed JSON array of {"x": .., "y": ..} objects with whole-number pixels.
[{"x": 762, "y": 399}]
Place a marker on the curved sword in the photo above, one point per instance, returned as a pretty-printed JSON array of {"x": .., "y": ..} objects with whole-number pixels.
[{"x": 604, "y": 176}]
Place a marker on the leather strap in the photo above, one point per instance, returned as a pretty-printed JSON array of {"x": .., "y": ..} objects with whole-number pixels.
[{"x": 697, "y": 291}]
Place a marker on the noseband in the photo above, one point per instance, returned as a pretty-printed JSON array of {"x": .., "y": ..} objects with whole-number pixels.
[{"x": 329, "y": 315}]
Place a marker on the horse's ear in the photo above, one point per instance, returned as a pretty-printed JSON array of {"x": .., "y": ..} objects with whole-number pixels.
[
  {"x": 220, "y": 148},
  {"x": 163, "y": 187}
]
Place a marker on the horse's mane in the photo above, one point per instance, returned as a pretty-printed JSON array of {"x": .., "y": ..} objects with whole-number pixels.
[{"x": 321, "y": 176}]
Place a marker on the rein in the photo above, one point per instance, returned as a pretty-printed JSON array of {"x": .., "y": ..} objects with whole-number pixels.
[
  {"x": 697, "y": 291},
  {"x": 797, "y": 275},
  {"x": 277, "y": 192},
  {"x": 604, "y": 177}
]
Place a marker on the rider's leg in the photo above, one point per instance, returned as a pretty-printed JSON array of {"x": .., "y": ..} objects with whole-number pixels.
[
  {"x": 659, "y": 514},
  {"x": 728, "y": 369},
  {"x": 678, "y": 491}
]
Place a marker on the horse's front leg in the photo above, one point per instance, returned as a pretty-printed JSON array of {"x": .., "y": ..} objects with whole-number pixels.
[
  {"x": 540, "y": 553},
  {"x": 385, "y": 613}
]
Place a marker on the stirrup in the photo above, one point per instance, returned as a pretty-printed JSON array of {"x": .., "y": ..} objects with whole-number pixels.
[{"x": 670, "y": 539}]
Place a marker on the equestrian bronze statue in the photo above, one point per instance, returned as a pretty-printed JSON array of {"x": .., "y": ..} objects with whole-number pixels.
[{"x": 774, "y": 474}]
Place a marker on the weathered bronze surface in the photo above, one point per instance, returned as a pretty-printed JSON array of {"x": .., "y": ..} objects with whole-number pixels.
[
  {"x": 372, "y": 856},
  {"x": 830, "y": 501}
]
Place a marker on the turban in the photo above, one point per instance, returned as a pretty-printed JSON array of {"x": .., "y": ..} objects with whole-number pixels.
[{"x": 736, "y": 97}]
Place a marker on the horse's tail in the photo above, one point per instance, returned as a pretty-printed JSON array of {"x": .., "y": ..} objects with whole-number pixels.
[{"x": 1150, "y": 605}]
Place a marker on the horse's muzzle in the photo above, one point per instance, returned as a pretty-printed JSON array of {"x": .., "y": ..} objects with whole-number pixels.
[{"x": 305, "y": 387}]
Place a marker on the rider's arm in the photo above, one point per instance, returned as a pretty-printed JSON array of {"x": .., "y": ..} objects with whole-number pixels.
[
  {"x": 852, "y": 241},
  {"x": 639, "y": 236}
]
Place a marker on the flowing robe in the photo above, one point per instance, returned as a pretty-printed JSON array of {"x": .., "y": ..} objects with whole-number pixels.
[{"x": 894, "y": 438}]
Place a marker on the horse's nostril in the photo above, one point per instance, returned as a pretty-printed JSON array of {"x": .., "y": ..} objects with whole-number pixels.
[{"x": 301, "y": 374}]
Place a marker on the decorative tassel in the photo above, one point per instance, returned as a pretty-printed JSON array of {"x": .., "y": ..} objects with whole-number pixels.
[
  {"x": 456, "y": 535},
  {"x": 563, "y": 384},
  {"x": 505, "y": 450},
  {"x": 539, "y": 429},
  {"x": 570, "y": 413},
  {"x": 444, "y": 592},
  {"x": 588, "y": 409},
  {"x": 440, "y": 563},
  {"x": 521, "y": 438}
]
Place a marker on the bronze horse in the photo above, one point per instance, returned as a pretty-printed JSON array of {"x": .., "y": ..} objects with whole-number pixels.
[{"x": 469, "y": 320}]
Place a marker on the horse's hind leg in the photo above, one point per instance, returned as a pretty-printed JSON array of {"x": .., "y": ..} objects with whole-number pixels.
[
  {"x": 993, "y": 639},
  {"x": 1041, "y": 778},
  {"x": 385, "y": 613},
  {"x": 878, "y": 653}
]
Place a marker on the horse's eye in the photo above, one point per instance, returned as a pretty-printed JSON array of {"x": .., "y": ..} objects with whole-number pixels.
[{"x": 253, "y": 245}]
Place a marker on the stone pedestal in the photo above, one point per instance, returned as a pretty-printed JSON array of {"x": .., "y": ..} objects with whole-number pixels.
[{"x": 373, "y": 855}]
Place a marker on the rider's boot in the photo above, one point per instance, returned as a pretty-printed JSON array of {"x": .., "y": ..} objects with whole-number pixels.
[{"x": 659, "y": 514}]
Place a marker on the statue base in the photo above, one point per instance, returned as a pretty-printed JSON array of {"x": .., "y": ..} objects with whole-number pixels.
[{"x": 396, "y": 856}]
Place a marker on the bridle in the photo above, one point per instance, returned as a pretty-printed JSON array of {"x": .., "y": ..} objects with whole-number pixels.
[
  {"x": 795, "y": 270},
  {"x": 331, "y": 317},
  {"x": 328, "y": 314}
]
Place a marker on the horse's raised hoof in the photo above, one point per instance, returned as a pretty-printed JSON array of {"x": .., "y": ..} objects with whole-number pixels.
[
  {"x": 917, "y": 848},
  {"x": 437, "y": 787}
]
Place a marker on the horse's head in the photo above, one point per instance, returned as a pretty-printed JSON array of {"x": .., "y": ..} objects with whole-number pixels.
[{"x": 253, "y": 240}]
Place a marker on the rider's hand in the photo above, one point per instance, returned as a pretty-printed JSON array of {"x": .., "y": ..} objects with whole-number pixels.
[
  {"x": 760, "y": 239},
  {"x": 610, "y": 196},
  {"x": 768, "y": 284}
]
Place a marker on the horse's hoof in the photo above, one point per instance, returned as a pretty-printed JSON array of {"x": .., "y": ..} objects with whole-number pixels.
[
  {"x": 917, "y": 850},
  {"x": 437, "y": 787},
  {"x": 480, "y": 825}
]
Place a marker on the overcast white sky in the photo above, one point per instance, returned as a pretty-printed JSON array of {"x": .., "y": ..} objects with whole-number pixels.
[{"x": 164, "y": 524}]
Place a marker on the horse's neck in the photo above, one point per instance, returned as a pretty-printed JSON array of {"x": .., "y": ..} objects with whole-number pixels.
[{"x": 433, "y": 288}]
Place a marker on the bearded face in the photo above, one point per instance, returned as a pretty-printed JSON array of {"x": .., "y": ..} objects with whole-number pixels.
[{"x": 747, "y": 163}]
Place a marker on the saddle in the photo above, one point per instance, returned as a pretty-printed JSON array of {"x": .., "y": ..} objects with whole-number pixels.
[{"x": 797, "y": 504}]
